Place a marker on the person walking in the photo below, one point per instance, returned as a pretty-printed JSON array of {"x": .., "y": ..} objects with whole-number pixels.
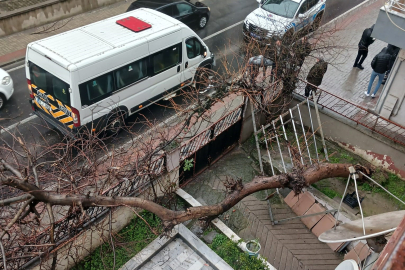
[
  {"x": 315, "y": 76},
  {"x": 380, "y": 65},
  {"x": 365, "y": 41},
  {"x": 393, "y": 51}
]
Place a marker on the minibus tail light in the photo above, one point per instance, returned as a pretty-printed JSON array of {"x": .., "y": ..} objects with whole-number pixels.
[
  {"x": 30, "y": 89},
  {"x": 76, "y": 117}
]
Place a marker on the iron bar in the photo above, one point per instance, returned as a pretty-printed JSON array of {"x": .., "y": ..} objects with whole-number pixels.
[
  {"x": 268, "y": 152},
  {"x": 279, "y": 148},
  {"x": 312, "y": 128},
  {"x": 341, "y": 201},
  {"x": 304, "y": 133},
  {"x": 304, "y": 216},
  {"x": 353, "y": 174},
  {"x": 286, "y": 139},
  {"x": 296, "y": 137},
  {"x": 369, "y": 178},
  {"x": 320, "y": 127},
  {"x": 257, "y": 140}
]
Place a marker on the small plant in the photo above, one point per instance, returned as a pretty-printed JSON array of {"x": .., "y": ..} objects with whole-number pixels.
[
  {"x": 327, "y": 191},
  {"x": 188, "y": 164}
]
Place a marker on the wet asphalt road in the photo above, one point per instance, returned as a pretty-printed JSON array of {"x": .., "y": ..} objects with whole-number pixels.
[{"x": 224, "y": 13}]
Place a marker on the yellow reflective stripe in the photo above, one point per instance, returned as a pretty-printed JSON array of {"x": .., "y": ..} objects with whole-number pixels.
[
  {"x": 53, "y": 107},
  {"x": 70, "y": 126},
  {"x": 58, "y": 114},
  {"x": 33, "y": 85},
  {"x": 51, "y": 97},
  {"x": 66, "y": 120},
  {"x": 67, "y": 107},
  {"x": 39, "y": 106},
  {"x": 42, "y": 91}
]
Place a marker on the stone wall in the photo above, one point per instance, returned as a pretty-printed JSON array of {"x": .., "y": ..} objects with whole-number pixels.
[{"x": 45, "y": 12}]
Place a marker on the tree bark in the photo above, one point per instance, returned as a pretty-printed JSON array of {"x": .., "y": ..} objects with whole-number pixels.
[{"x": 170, "y": 218}]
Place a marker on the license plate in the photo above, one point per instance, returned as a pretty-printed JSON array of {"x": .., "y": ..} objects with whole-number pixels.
[
  {"x": 254, "y": 35},
  {"x": 42, "y": 103}
]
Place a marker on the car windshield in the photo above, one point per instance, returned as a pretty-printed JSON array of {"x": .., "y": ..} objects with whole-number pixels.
[{"x": 284, "y": 8}]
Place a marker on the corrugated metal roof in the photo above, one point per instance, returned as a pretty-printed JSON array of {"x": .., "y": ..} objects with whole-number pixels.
[{"x": 97, "y": 38}]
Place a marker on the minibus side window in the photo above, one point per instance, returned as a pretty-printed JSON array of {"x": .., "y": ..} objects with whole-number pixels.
[
  {"x": 96, "y": 89},
  {"x": 131, "y": 73},
  {"x": 166, "y": 59}
]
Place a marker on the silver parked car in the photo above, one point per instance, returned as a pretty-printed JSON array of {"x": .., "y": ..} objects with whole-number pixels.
[{"x": 6, "y": 87}]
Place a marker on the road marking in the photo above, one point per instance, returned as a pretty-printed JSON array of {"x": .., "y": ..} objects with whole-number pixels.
[
  {"x": 223, "y": 30},
  {"x": 12, "y": 69},
  {"x": 18, "y": 123}
]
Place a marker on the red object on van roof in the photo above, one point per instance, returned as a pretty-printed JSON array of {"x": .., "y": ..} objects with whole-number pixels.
[{"x": 134, "y": 24}]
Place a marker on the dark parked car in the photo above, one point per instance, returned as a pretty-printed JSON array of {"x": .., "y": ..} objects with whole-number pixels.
[{"x": 184, "y": 11}]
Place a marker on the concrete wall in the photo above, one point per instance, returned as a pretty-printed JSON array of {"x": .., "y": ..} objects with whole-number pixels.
[
  {"x": 390, "y": 105},
  {"x": 46, "y": 12},
  {"x": 82, "y": 245},
  {"x": 372, "y": 147}
]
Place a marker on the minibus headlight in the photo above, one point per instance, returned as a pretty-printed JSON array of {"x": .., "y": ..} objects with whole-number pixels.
[{"x": 6, "y": 80}]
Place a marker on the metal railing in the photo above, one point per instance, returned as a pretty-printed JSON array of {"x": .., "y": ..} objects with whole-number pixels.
[
  {"x": 396, "y": 5},
  {"x": 359, "y": 115}
]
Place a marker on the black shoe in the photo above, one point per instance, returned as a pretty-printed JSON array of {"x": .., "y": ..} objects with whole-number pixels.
[
  {"x": 355, "y": 65},
  {"x": 383, "y": 82},
  {"x": 360, "y": 67}
]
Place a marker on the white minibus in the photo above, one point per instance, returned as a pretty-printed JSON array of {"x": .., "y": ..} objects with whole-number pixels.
[{"x": 86, "y": 77}]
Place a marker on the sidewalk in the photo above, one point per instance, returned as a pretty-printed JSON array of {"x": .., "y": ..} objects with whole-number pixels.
[
  {"x": 13, "y": 47},
  {"x": 341, "y": 78}
]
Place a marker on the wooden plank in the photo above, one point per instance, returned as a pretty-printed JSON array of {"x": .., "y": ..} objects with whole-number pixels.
[
  {"x": 311, "y": 251},
  {"x": 317, "y": 257},
  {"x": 269, "y": 244},
  {"x": 273, "y": 250},
  {"x": 321, "y": 262},
  {"x": 283, "y": 259},
  {"x": 289, "y": 226},
  {"x": 308, "y": 246},
  {"x": 263, "y": 241},
  {"x": 262, "y": 212},
  {"x": 300, "y": 241},
  {"x": 277, "y": 258},
  {"x": 291, "y": 231},
  {"x": 321, "y": 267},
  {"x": 257, "y": 207},
  {"x": 295, "y": 236},
  {"x": 255, "y": 223},
  {"x": 259, "y": 230},
  {"x": 295, "y": 264},
  {"x": 289, "y": 261}
]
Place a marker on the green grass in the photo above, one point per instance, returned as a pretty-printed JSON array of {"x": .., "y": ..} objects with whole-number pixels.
[
  {"x": 392, "y": 183},
  {"x": 230, "y": 252},
  {"x": 327, "y": 191},
  {"x": 129, "y": 241}
]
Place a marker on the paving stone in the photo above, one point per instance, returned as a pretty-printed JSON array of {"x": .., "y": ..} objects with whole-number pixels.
[{"x": 210, "y": 236}]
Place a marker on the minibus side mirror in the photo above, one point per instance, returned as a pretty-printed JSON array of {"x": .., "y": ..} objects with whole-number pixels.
[{"x": 204, "y": 52}]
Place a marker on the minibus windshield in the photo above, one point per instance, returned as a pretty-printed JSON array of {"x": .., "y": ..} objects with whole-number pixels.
[{"x": 49, "y": 83}]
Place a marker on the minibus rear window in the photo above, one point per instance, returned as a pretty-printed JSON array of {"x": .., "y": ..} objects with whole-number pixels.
[{"x": 49, "y": 83}]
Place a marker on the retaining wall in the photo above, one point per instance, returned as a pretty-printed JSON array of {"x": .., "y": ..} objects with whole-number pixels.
[{"x": 46, "y": 12}]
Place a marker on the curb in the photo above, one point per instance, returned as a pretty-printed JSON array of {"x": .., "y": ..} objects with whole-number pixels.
[{"x": 5, "y": 64}]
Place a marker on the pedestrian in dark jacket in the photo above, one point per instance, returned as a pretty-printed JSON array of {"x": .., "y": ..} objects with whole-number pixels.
[
  {"x": 365, "y": 41},
  {"x": 315, "y": 76},
  {"x": 380, "y": 65},
  {"x": 393, "y": 51}
]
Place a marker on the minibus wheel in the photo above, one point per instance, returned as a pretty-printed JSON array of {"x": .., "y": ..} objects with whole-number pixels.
[
  {"x": 2, "y": 101},
  {"x": 115, "y": 123}
]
